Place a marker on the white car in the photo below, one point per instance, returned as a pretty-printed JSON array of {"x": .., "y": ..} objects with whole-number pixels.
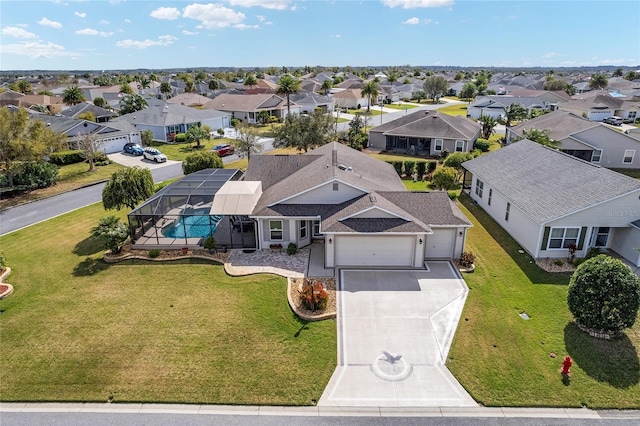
[{"x": 154, "y": 154}]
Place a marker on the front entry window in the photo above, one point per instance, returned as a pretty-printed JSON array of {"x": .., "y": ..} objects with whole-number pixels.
[
  {"x": 602, "y": 236},
  {"x": 303, "y": 229},
  {"x": 275, "y": 230},
  {"x": 316, "y": 228}
]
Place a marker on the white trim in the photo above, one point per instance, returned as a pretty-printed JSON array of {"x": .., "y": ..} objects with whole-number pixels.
[
  {"x": 374, "y": 208},
  {"x": 331, "y": 181},
  {"x": 564, "y": 237},
  {"x": 271, "y": 230},
  {"x": 601, "y": 154},
  {"x": 633, "y": 154},
  {"x": 435, "y": 144}
]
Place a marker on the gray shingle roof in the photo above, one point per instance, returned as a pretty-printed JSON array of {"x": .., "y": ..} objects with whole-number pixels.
[
  {"x": 431, "y": 124},
  {"x": 560, "y": 124},
  {"x": 168, "y": 115},
  {"x": 547, "y": 184}
]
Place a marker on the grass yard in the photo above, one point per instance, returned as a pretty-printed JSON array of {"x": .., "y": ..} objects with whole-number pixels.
[
  {"x": 634, "y": 173},
  {"x": 179, "y": 151},
  {"x": 78, "y": 329},
  {"x": 72, "y": 176},
  {"x": 457, "y": 109},
  {"x": 503, "y": 360},
  {"x": 400, "y": 107}
]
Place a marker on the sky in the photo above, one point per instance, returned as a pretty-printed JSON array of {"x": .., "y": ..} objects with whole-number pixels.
[{"x": 130, "y": 34}]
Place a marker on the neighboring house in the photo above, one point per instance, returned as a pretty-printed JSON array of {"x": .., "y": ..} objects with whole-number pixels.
[
  {"x": 247, "y": 107},
  {"x": 584, "y": 139},
  {"x": 426, "y": 133},
  {"x": 355, "y": 204},
  {"x": 549, "y": 201},
  {"x": 189, "y": 99},
  {"x": 602, "y": 106},
  {"x": 308, "y": 102},
  {"x": 168, "y": 120},
  {"x": 102, "y": 115},
  {"x": 495, "y": 105},
  {"x": 52, "y": 103},
  {"x": 350, "y": 98},
  {"x": 634, "y": 132}
]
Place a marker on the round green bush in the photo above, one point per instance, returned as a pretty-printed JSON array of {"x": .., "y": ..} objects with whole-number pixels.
[{"x": 604, "y": 295}]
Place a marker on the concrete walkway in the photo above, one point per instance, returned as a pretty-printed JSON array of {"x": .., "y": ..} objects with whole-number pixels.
[{"x": 410, "y": 315}]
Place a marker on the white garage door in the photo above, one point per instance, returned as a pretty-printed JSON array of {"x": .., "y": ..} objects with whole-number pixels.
[
  {"x": 114, "y": 145},
  {"x": 440, "y": 244},
  {"x": 379, "y": 250}
]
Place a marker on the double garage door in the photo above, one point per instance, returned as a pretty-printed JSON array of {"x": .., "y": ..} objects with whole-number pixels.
[{"x": 374, "y": 250}]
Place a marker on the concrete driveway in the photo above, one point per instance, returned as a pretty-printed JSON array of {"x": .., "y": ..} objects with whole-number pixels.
[
  {"x": 411, "y": 315},
  {"x": 138, "y": 160}
]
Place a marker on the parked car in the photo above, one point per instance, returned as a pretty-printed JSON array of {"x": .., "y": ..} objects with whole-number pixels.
[
  {"x": 132, "y": 148},
  {"x": 223, "y": 149},
  {"x": 616, "y": 121},
  {"x": 155, "y": 155}
]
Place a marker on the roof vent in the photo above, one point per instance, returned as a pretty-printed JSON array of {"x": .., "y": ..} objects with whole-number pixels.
[
  {"x": 372, "y": 198},
  {"x": 342, "y": 167},
  {"x": 350, "y": 169},
  {"x": 48, "y": 124}
]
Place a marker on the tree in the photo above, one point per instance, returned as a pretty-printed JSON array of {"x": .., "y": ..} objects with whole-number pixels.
[
  {"x": 435, "y": 86},
  {"x": 90, "y": 146},
  {"x": 513, "y": 112},
  {"x": 392, "y": 77},
  {"x": 304, "y": 132},
  {"x": 100, "y": 102},
  {"x": 125, "y": 89},
  {"x": 554, "y": 85},
  {"x": 263, "y": 117},
  {"x": 165, "y": 89},
  {"x": 488, "y": 125},
  {"x": 445, "y": 178},
  {"x": 214, "y": 84},
  {"x": 22, "y": 86},
  {"x": 127, "y": 188},
  {"x": 327, "y": 85},
  {"x": 189, "y": 86},
  {"x": 200, "y": 77},
  {"x": 287, "y": 86},
  {"x": 419, "y": 95},
  {"x": 247, "y": 142},
  {"x": 23, "y": 140},
  {"x": 196, "y": 134},
  {"x": 604, "y": 295},
  {"x": 541, "y": 137},
  {"x": 250, "y": 80},
  {"x": 87, "y": 115},
  {"x": 468, "y": 91},
  {"x": 632, "y": 75},
  {"x": 598, "y": 82},
  {"x": 371, "y": 91},
  {"x": 132, "y": 103},
  {"x": 355, "y": 134},
  {"x": 111, "y": 232},
  {"x": 618, "y": 72},
  {"x": 200, "y": 161},
  {"x": 73, "y": 95},
  {"x": 144, "y": 83},
  {"x": 147, "y": 137},
  {"x": 455, "y": 161}
]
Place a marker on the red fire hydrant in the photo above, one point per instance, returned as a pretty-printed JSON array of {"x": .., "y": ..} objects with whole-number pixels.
[{"x": 566, "y": 366}]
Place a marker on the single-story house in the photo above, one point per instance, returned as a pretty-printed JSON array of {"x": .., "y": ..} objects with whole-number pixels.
[
  {"x": 550, "y": 202},
  {"x": 168, "y": 120},
  {"x": 426, "y": 133},
  {"x": 354, "y": 203},
  {"x": 349, "y": 98},
  {"x": 494, "y": 105},
  {"x": 189, "y": 99},
  {"x": 53, "y": 104},
  {"x": 309, "y": 101},
  {"x": 587, "y": 140},
  {"x": 247, "y": 107},
  {"x": 102, "y": 114}
]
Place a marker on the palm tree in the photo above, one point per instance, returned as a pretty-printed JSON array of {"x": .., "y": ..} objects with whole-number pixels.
[
  {"x": 541, "y": 137},
  {"x": 144, "y": 83},
  {"x": 598, "y": 82},
  {"x": 73, "y": 95},
  {"x": 189, "y": 86},
  {"x": 214, "y": 84},
  {"x": 165, "y": 88},
  {"x": 250, "y": 80},
  {"x": 514, "y": 112},
  {"x": 132, "y": 103},
  {"x": 488, "y": 125},
  {"x": 370, "y": 90},
  {"x": 326, "y": 86},
  {"x": 126, "y": 89},
  {"x": 287, "y": 86}
]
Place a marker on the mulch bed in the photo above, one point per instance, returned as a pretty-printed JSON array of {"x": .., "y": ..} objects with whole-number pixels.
[
  {"x": 549, "y": 265},
  {"x": 128, "y": 253},
  {"x": 329, "y": 285}
]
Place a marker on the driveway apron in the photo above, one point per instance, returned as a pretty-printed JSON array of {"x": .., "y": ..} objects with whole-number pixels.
[{"x": 395, "y": 329}]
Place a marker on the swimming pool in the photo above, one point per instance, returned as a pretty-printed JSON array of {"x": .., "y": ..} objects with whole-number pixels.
[{"x": 198, "y": 225}]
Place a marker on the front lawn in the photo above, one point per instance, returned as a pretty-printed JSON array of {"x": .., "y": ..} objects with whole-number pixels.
[
  {"x": 179, "y": 151},
  {"x": 400, "y": 107},
  {"x": 78, "y": 329},
  {"x": 70, "y": 177},
  {"x": 457, "y": 109},
  {"x": 504, "y": 360}
]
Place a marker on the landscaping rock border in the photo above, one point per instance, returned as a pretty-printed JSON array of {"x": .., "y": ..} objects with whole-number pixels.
[
  {"x": 176, "y": 254},
  {"x": 5, "y": 288},
  {"x": 293, "y": 291}
]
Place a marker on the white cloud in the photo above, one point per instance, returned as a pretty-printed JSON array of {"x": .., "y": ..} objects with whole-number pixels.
[
  {"x": 261, "y": 18},
  {"x": 335, "y": 36},
  {"x": 550, "y": 55},
  {"x": 17, "y": 32},
  {"x": 92, "y": 32},
  {"x": 245, "y": 26},
  {"x": 36, "y": 49},
  {"x": 164, "y": 40},
  {"x": 103, "y": 22},
  {"x": 266, "y": 4},
  {"x": 48, "y": 23},
  {"x": 415, "y": 4},
  {"x": 213, "y": 15},
  {"x": 128, "y": 21},
  {"x": 412, "y": 21},
  {"x": 80, "y": 14},
  {"x": 168, "y": 13},
  {"x": 185, "y": 32}
]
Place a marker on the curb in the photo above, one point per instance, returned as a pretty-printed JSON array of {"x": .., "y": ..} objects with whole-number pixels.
[
  {"x": 156, "y": 259},
  {"x": 9, "y": 290}
]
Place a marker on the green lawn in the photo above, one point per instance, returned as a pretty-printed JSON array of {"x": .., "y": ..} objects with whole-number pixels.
[
  {"x": 72, "y": 176},
  {"x": 78, "y": 329},
  {"x": 400, "y": 107},
  {"x": 503, "y": 360},
  {"x": 634, "y": 173},
  {"x": 457, "y": 109},
  {"x": 179, "y": 151}
]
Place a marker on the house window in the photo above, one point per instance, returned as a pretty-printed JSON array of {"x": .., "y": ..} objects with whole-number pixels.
[
  {"x": 596, "y": 155},
  {"x": 335, "y": 186},
  {"x": 490, "y": 194},
  {"x": 506, "y": 215},
  {"x": 316, "y": 228},
  {"x": 602, "y": 236},
  {"x": 632, "y": 115},
  {"x": 628, "y": 156},
  {"x": 562, "y": 238},
  {"x": 275, "y": 230},
  {"x": 459, "y": 146},
  {"x": 303, "y": 229},
  {"x": 479, "y": 187},
  {"x": 438, "y": 145}
]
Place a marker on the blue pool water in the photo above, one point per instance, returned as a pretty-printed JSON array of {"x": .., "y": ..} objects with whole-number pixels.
[{"x": 197, "y": 226}]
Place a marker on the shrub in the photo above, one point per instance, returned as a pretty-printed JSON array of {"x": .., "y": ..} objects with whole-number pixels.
[
  {"x": 578, "y": 261},
  {"x": 235, "y": 122},
  {"x": 313, "y": 296},
  {"x": 558, "y": 262},
  {"x": 210, "y": 243},
  {"x": 62, "y": 158},
  {"x": 37, "y": 175},
  {"x": 443, "y": 155},
  {"x": 180, "y": 137},
  {"x": 476, "y": 153},
  {"x": 153, "y": 253},
  {"x": 431, "y": 167},
  {"x": 111, "y": 232},
  {"x": 398, "y": 166},
  {"x": 456, "y": 159},
  {"x": 452, "y": 196},
  {"x": 292, "y": 249},
  {"x": 592, "y": 252},
  {"x": 3, "y": 261},
  {"x": 466, "y": 259},
  {"x": 482, "y": 144},
  {"x": 604, "y": 295},
  {"x": 421, "y": 168},
  {"x": 146, "y": 137},
  {"x": 409, "y": 167},
  {"x": 445, "y": 178},
  {"x": 200, "y": 161},
  {"x": 101, "y": 159}
]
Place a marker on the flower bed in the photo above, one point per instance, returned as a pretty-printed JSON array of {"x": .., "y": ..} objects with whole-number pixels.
[
  {"x": 128, "y": 253},
  {"x": 295, "y": 287}
]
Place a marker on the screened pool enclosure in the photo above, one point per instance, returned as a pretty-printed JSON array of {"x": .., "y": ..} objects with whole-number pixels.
[{"x": 179, "y": 215}]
